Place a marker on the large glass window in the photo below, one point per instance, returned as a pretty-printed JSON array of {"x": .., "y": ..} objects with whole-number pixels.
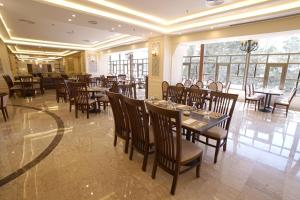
[{"x": 133, "y": 64}]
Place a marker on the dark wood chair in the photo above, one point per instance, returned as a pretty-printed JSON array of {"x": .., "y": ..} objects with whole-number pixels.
[
  {"x": 212, "y": 86},
  {"x": 187, "y": 83},
  {"x": 171, "y": 151},
  {"x": 122, "y": 129},
  {"x": 3, "y": 105},
  {"x": 164, "y": 89},
  {"x": 200, "y": 84},
  {"x": 128, "y": 90},
  {"x": 83, "y": 101},
  {"x": 221, "y": 103},
  {"x": 196, "y": 95},
  {"x": 142, "y": 138},
  {"x": 60, "y": 89},
  {"x": 176, "y": 93},
  {"x": 285, "y": 101},
  {"x": 219, "y": 86},
  {"x": 28, "y": 88},
  {"x": 111, "y": 80},
  {"x": 249, "y": 98},
  {"x": 72, "y": 92},
  {"x": 10, "y": 85}
]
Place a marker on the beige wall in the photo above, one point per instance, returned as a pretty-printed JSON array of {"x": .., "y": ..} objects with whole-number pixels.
[
  {"x": 6, "y": 66},
  {"x": 74, "y": 64}
]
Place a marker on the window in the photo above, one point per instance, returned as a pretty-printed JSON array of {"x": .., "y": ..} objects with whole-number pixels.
[{"x": 190, "y": 67}]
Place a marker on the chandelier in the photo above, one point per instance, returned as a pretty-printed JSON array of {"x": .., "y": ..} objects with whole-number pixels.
[{"x": 249, "y": 46}]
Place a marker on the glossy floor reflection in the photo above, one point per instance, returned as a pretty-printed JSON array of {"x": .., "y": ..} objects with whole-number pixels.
[{"x": 262, "y": 160}]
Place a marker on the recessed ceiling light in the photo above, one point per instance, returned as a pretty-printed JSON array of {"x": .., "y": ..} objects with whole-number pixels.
[
  {"x": 73, "y": 15},
  {"x": 119, "y": 25},
  {"x": 1, "y": 4},
  {"x": 112, "y": 28},
  {"x": 69, "y": 20},
  {"x": 93, "y": 22}
]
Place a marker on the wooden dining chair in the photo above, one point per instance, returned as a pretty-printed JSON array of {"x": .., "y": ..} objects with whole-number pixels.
[
  {"x": 164, "y": 89},
  {"x": 120, "y": 114},
  {"x": 72, "y": 92},
  {"x": 60, "y": 89},
  {"x": 176, "y": 93},
  {"x": 209, "y": 81},
  {"x": 171, "y": 151},
  {"x": 227, "y": 87},
  {"x": 128, "y": 90},
  {"x": 83, "y": 101},
  {"x": 28, "y": 88},
  {"x": 220, "y": 103},
  {"x": 12, "y": 89},
  {"x": 219, "y": 86},
  {"x": 213, "y": 86},
  {"x": 196, "y": 95},
  {"x": 3, "y": 105},
  {"x": 285, "y": 102},
  {"x": 181, "y": 90},
  {"x": 142, "y": 139},
  {"x": 187, "y": 83},
  {"x": 200, "y": 84},
  {"x": 249, "y": 98}
]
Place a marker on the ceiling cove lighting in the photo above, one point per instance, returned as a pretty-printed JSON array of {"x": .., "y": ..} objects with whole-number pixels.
[
  {"x": 86, "y": 9},
  {"x": 181, "y": 19},
  {"x": 245, "y": 15}
]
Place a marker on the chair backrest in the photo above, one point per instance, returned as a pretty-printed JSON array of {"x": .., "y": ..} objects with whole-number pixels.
[
  {"x": 219, "y": 86},
  {"x": 176, "y": 93},
  {"x": 8, "y": 81},
  {"x": 114, "y": 88},
  {"x": 139, "y": 123},
  {"x": 167, "y": 136},
  {"x": 128, "y": 90},
  {"x": 179, "y": 85},
  {"x": 251, "y": 89},
  {"x": 187, "y": 83},
  {"x": 4, "y": 100},
  {"x": 195, "y": 87},
  {"x": 209, "y": 81},
  {"x": 121, "y": 77},
  {"x": 164, "y": 89},
  {"x": 200, "y": 84},
  {"x": 247, "y": 91},
  {"x": 82, "y": 96},
  {"x": 198, "y": 96},
  {"x": 73, "y": 89},
  {"x": 292, "y": 95},
  {"x": 213, "y": 86},
  {"x": 227, "y": 87},
  {"x": 26, "y": 81},
  {"x": 120, "y": 114},
  {"x": 60, "y": 85},
  {"x": 223, "y": 103}
]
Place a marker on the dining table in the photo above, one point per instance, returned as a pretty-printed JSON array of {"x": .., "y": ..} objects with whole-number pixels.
[
  {"x": 193, "y": 120},
  {"x": 268, "y": 96}
]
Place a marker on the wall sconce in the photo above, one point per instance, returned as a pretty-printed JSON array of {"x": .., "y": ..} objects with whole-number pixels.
[{"x": 154, "y": 53}]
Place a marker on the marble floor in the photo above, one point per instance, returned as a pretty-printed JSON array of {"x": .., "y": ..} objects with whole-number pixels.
[{"x": 45, "y": 153}]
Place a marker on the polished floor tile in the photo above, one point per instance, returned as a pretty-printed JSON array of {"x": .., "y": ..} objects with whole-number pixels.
[{"x": 52, "y": 158}]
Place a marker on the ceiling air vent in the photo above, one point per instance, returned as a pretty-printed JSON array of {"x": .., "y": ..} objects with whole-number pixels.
[
  {"x": 214, "y": 2},
  {"x": 27, "y": 21}
]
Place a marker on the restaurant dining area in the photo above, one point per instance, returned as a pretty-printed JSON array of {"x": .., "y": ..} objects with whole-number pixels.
[{"x": 109, "y": 99}]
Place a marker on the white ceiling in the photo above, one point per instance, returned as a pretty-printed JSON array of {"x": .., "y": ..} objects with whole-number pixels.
[
  {"x": 167, "y": 9},
  {"x": 45, "y": 23}
]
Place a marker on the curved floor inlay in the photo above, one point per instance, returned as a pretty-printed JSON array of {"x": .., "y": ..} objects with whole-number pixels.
[{"x": 57, "y": 138}]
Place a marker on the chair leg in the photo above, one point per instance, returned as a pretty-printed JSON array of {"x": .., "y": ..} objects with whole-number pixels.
[
  {"x": 131, "y": 152},
  {"x": 154, "y": 169},
  {"x": 255, "y": 105},
  {"x": 87, "y": 111},
  {"x": 199, "y": 166},
  {"x": 225, "y": 144},
  {"x": 70, "y": 107},
  {"x": 126, "y": 145},
  {"x": 175, "y": 178},
  {"x": 115, "y": 140},
  {"x": 3, "y": 113},
  {"x": 76, "y": 111},
  {"x": 286, "y": 111},
  {"x": 217, "y": 151},
  {"x": 5, "y": 109},
  {"x": 274, "y": 108},
  {"x": 145, "y": 162}
]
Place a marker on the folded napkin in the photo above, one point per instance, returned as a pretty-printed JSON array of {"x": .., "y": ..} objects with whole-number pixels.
[{"x": 193, "y": 123}]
